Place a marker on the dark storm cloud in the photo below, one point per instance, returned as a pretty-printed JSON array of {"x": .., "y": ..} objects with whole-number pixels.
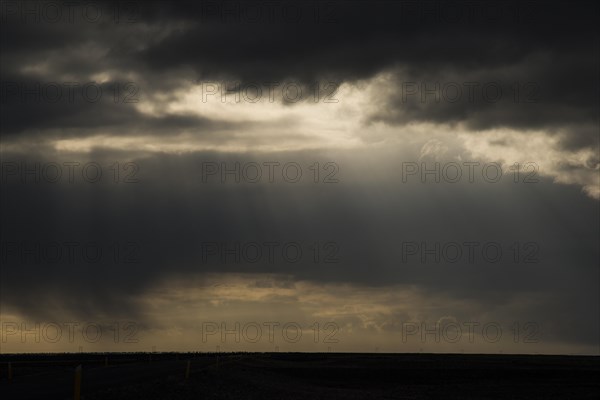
[
  {"x": 169, "y": 213},
  {"x": 364, "y": 38},
  {"x": 167, "y": 46},
  {"x": 525, "y": 95},
  {"x": 165, "y": 234},
  {"x": 79, "y": 109},
  {"x": 554, "y": 47}
]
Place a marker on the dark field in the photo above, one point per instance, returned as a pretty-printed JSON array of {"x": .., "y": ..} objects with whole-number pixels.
[{"x": 301, "y": 376}]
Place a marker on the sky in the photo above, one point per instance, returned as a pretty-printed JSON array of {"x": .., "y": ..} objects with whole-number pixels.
[{"x": 300, "y": 176}]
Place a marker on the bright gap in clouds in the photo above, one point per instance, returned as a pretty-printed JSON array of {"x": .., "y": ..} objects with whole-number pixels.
[{"x": 341, "y": 121}]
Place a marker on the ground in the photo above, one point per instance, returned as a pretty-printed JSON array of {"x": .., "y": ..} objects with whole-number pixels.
[{"x": 279, "y": 376}]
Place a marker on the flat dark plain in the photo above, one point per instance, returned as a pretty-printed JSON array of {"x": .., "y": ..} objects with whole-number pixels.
[{"x": 311, "y": 376}]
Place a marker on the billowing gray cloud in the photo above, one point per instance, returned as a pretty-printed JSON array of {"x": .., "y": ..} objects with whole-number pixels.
[
  {"x": 172, "y": 224},
  {"x": 551, "y": 56},
  {"x": 384, "y": 56}
]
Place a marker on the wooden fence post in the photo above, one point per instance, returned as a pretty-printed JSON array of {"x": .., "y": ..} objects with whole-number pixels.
[{"x": 77, "y": 390}]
